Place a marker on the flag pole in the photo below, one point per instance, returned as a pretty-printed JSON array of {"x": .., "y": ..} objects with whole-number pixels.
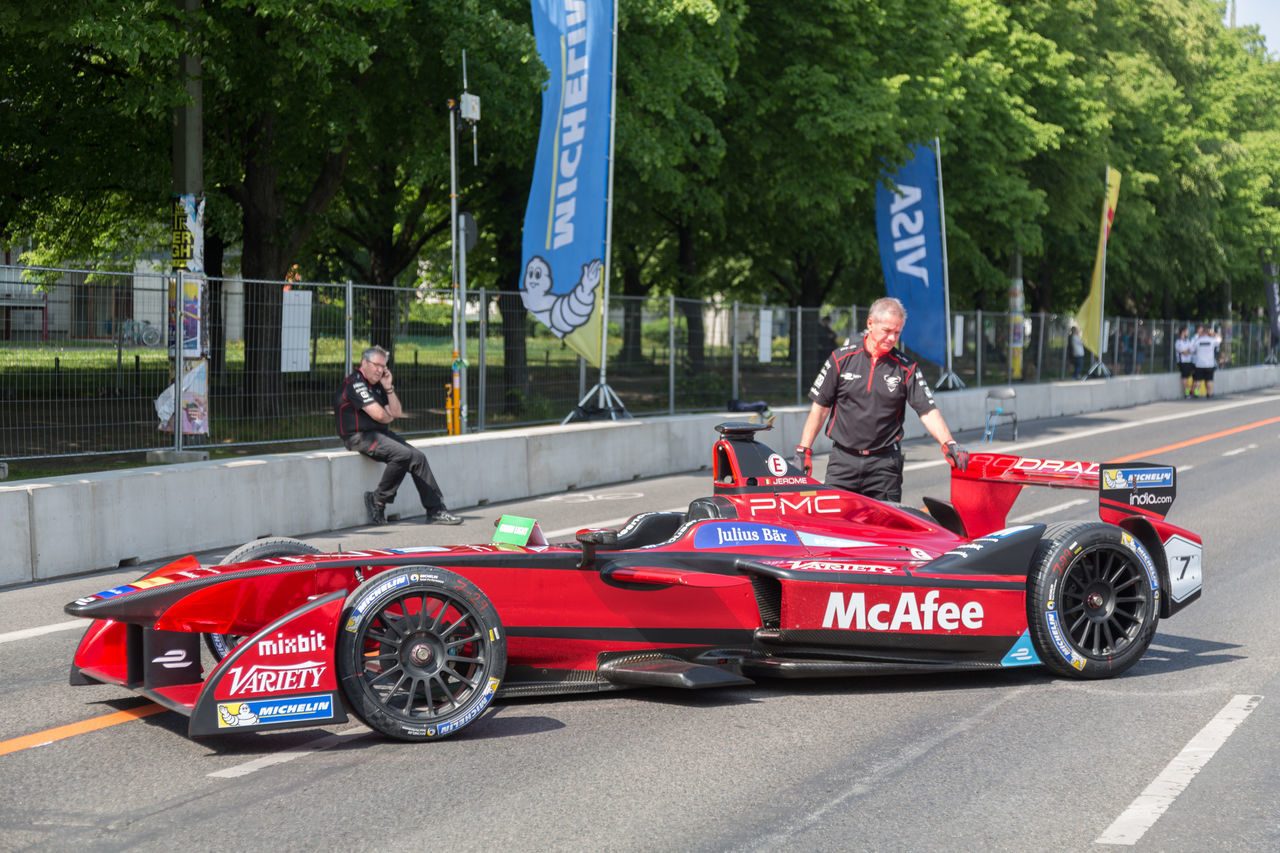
[
  {"x": 606, "y": 399},
  {"x": 948, "y": 379}
]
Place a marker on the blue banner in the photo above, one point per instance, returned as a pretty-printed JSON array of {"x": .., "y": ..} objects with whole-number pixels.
[
  {"x": 564, "y": 223},
  {"x": 909, "y": 225}
]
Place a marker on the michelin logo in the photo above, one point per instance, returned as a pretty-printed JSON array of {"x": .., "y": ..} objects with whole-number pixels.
[
  {"x": 1138, "y": 478},
  {"x": 295, "y": 709}
]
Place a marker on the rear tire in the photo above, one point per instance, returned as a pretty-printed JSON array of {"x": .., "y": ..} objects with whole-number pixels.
[
  {"x": 220, "y": 645},
  {"x": 420, "y": 654},
  {"x": 1092, "y": 600}
]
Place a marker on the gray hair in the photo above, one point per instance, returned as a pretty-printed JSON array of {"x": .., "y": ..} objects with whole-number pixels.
[
  {"x": 885, "y": 306},
  {"x": 372, "y": 351}
]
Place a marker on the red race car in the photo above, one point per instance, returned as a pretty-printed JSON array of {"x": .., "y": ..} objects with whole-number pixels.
[{"x": 773, "y": 575}]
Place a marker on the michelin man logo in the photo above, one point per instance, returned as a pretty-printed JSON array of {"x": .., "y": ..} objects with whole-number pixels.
[
  {"x": 241, "y": 716},
  {"x": 560, "y": 312}
]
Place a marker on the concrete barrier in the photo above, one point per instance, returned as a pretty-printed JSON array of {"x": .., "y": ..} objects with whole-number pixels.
[{"x": 80, "y": 523}]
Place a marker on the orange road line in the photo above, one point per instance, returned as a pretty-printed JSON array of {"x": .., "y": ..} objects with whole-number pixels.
[
  {"x": 1191, "y": 441},
  {"x": 73, "y": 729}
]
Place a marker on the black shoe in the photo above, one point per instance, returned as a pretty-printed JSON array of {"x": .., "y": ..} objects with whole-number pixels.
[
  {"x": 441, "y": 516},
  {"x": 376, "y": 511}
]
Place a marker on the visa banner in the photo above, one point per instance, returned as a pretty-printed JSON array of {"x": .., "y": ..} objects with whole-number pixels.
[
  {"x": 909, "y": 227},
  {"x": 565, "y": 221}
]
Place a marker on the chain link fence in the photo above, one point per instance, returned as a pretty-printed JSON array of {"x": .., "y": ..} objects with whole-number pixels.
[{"x": 84, "y": 357}]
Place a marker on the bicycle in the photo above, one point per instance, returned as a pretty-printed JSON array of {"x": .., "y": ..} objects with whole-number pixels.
[{"x": 133, "y": 332}]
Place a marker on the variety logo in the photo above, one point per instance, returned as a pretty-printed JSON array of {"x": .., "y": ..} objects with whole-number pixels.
[
  {"x": 297, "y": 644},
  {"x": 776, "y": 464},
  {"x": 267, "y": 711},
  {"x": 820, "y": 566},
  {"x": 909, "y": 614},
  {"x": 1148, "y": 499},
  {"x": 892, "y": 382},
  {"x": 265, "y": 678},
  {"x": 802, "y": 504}
]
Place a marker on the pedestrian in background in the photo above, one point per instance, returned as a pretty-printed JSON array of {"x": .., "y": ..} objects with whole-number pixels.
[
  {"x": 1075, "y": 344},
  {"x": 1186, "y": 350},
  {"x": 1206, "y": 358},
  {"x": 365, "y": 404},
  {"x": 861, "y": 394}
]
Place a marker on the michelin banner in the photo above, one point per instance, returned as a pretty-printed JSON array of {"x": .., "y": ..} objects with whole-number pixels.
[
  {"x": 564, "y": 223},
  {"x": 909, "y": 227}
]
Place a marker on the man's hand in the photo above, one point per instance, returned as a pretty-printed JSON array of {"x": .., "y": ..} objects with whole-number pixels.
[
  {"x": 386, "y": 379},
  {"x": 803, "y": 459},
  {"x": 956, "y": 455}
]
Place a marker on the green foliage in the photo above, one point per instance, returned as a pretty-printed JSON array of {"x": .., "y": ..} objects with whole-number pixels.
[{"x": 750, "y": 140}]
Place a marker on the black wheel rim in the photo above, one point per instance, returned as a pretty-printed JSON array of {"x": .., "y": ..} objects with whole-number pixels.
[
  {"x": 423, "y": 655},
  {"x": 1104, "y": 601}
]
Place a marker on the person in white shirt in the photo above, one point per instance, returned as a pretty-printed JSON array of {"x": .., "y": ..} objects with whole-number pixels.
[
  {"x": 1186, "y": 350},
  {"x": 1206, "y": 358}
]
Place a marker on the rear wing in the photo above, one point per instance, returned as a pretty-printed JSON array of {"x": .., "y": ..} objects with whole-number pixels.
[{"x": 983, "y": 493}]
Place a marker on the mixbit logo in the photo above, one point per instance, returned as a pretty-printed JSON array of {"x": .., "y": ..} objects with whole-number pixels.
[{"x": 297, "y": 644}]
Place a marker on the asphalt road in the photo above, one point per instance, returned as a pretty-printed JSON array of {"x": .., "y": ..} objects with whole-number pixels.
[{"x": 1179, "y": 754}]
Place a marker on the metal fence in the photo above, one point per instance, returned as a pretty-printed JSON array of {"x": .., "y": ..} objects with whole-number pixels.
[{"x": 84, "y": 357}]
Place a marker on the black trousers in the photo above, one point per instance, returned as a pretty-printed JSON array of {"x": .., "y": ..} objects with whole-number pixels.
[
  {"x": 878, "y": 476},
  {"x": 401, "y": 458}
]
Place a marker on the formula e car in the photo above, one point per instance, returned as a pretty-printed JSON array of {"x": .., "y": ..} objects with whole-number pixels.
[{"x": 771, "y": 576}]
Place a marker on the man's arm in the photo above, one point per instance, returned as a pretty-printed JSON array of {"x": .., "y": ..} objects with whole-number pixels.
[
  {"x": 937, "y": 427},
  {"x": 365, "y": 400},
  {"x": 813, "y": 423}
]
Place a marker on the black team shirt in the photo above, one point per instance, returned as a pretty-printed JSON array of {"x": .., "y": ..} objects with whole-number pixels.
[{"x": 868, "y": 401}]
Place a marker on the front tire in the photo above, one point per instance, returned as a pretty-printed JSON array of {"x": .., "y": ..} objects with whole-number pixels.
[
  {"x": 1092, "y": 600},
  {"x": 220, "y": 645},
  {"x": 420, "y": 654}
]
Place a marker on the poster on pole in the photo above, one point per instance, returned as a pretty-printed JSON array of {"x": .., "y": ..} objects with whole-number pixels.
[
  {"x": 564, "y": 242},
  {"x": 909, "y": 228}
]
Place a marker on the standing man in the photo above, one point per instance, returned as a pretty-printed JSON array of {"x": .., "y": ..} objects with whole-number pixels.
[
  {"x": 1206, "y": 342},
  {"x": 1076, "y": 344},
  {"x": 365, "y": 403},
  {"x": 1186, "y": 350},
  {"x": 868, "y": 385}
]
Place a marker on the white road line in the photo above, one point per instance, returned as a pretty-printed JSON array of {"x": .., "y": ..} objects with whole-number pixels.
[
  {"x": 1144, "y": 811},
  {"x": 1237, "y": 451},
  {"x": 1017, "y": 448},
  {"x": 300, "y": 751},
  {"x": 28, "y": 633},
  {"x": 1058, "y": 508}
]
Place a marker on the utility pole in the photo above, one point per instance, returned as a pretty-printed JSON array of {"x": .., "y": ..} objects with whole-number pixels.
[{"x": 187, "y": 290}]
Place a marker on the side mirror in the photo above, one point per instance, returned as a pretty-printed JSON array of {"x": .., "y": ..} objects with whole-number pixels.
[{"x": 591, "y": 538}]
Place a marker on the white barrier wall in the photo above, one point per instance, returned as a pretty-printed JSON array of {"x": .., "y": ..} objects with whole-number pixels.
[{"x": 81, "y": 523}]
